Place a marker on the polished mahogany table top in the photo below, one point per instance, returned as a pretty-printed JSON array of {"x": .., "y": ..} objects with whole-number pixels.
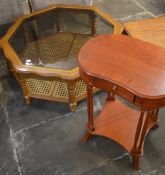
[{"x": 135, "y": 65}]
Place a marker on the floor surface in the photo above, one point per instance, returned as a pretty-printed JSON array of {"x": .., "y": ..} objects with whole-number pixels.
[{"x": 44, "y": 138}]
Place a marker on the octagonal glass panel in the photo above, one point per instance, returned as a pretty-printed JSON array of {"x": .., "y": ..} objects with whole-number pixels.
[{"x": 53, "y": 39}]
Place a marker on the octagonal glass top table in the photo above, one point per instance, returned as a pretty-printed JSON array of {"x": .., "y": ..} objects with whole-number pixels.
[{"x": 42, "y": 48}]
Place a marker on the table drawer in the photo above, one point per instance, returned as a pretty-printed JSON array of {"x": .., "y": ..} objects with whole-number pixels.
[
  {"x": 112, "y": 87},
  {"x": 122, "y": 92}
]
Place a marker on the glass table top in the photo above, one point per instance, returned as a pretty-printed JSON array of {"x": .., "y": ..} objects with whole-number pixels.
[{"x": 53, "y": 39}]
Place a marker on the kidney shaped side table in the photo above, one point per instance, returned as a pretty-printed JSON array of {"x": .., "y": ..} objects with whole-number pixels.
[{"x": 134, "y": 70}]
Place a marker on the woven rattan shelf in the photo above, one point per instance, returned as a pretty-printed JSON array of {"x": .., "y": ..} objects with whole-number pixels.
[
  {"x": 54, "y": 89},
  {"x": 42, "y": 50}
]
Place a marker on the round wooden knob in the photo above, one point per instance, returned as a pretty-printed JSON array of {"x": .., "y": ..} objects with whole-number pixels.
[{"x": 114, "y": 88}]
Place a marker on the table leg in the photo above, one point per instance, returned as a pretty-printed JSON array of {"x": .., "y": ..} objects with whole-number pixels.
[
  {"x": 90, "y": 124},
  {"x": 141, "y": 131},
  {"x": 72, "y": 97},
  {"x": 58, "y": 21},
  {"x": 155, "y": 116},
  {"x": 144, "y": 124},
  {"x": 90, "y": 108},
  {"x": 92, "y": 21},
  {"x": 86, "y": 137},
  {"x": 25, "y": 89},
  {"x": 136, "y": 162},
  {"x": 25, "y": 31},
  {"x": 110, "y": 96}
]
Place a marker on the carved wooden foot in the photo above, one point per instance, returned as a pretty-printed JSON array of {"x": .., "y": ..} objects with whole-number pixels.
[
  {"x": 156, "y": 125},
  {"x": 72, "y": 96},
  {"x": 86, "y": 137},
  {"x": 27, "y": 100},
  {"x": 136, "y": 162},
  {"x": 73, "y": 107}
]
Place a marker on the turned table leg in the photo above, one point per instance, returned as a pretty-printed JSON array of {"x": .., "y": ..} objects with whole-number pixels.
[
  {"x": 155, "y": 116},
  {"x": 136, "y": 162},
  {"x": 72, "y": 95},
  {"x": 90, "y": 124},
  {"x": 25, "y": 89},
  {"x": 86, "y": 137},
  {"x": 143, "y": 126},
  {"x": 58, "y": 21},
  {"x": 92, "y": 23}
]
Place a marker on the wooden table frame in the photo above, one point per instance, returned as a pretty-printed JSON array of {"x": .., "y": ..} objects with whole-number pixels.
[
  {"x": 148, "y": 119},
  {"x": 70, "y": 77},
  {"x": 118, "y": 121}
]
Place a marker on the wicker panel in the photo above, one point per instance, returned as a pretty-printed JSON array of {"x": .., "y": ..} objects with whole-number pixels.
[
  {"x": 81, "y": 88},
  {"x": 53, "y": 88},
  {"x": 60, "y": 90},
  {"x": 79, "y": 41},
  {"x": 39, "y": 87},
  {"x": 56, "y": 48},
  {"x": 47, "y": 50},
  {"x": 56, "y": 51}
]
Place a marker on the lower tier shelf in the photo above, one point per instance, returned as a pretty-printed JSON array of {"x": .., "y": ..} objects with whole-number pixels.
[
  {"x": 118, "y": 122},
  {"x": 54, "y": 90}
]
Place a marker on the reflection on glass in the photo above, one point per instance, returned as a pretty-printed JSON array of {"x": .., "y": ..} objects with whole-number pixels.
[{"x": 54, "y": 39}]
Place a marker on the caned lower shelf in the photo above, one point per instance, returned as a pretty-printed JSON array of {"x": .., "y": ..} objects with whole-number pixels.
[
  {"x": 118, "y": 122},
  {"x": 54, "y": 90}
]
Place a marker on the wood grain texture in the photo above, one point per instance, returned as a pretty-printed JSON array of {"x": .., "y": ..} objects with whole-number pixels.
[
  {"x": 150, "y": 30},
  {"x": 134, "y": 70},
  {"x": 130, "y": 63}
]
